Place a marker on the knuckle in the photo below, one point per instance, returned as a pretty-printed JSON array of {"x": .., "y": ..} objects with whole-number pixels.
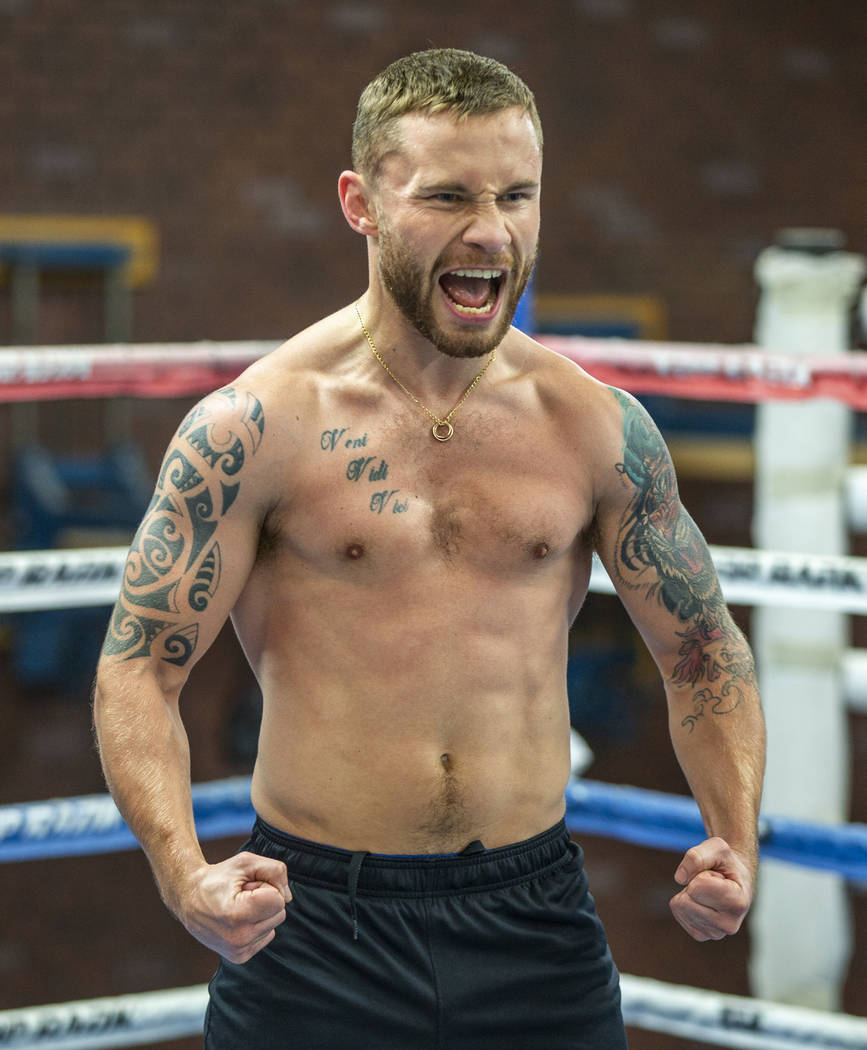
[
  {"x": 732, "y": 924},
  {"x": 238, "y": 937}
]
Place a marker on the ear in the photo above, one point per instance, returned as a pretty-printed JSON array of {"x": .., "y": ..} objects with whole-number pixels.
[{"x": 355, "y": 200}]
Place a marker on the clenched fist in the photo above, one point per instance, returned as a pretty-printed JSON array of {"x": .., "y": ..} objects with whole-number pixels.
[
  {"x": 233, "y": 907},
  {"x": 717, "y": 890}
]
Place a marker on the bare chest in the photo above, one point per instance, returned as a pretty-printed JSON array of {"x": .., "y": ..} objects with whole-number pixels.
[{"x": 392, "y": 496}]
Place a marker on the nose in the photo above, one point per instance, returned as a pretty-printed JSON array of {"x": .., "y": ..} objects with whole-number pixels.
[{"x": 487, "y": 230}]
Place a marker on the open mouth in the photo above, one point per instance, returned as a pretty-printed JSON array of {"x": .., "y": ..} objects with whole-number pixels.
[{"x": 473, "y": 292}]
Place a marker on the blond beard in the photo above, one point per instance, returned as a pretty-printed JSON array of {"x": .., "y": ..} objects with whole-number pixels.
[{"x": 404, "y": 280}]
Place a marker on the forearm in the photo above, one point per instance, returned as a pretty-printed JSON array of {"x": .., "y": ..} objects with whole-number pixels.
[
  {"x": 145, "y": 758},
  {"x": 719, "y": 741}
]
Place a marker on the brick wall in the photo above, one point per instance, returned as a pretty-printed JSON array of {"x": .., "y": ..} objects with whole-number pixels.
[{"x": 680, "y": 137}]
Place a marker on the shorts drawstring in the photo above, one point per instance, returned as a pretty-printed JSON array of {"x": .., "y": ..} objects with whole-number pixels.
[{"x": 355, "y": 863}]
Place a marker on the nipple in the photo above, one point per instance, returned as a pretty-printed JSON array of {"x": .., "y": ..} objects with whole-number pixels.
[
  {"x": 541, "y": 550},
  {"x": 354, "y": 551}
]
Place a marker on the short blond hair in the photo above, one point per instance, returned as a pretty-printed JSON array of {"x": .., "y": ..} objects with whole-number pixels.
[{"x": 435, "y": 81}]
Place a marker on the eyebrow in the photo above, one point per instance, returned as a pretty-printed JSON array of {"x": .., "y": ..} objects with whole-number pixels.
[{"x": 458, "y": 187}]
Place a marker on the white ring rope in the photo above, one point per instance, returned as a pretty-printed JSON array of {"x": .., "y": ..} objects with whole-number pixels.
[
  {"x": 760, "y": 577},
  {"x": 736, "y": 1021},
  {"x": 60, "y": 579},
  {"x": 709, "y": 1017},
  {"x": 92, "y": 1024},
  {"x": 54, "y": 579}
]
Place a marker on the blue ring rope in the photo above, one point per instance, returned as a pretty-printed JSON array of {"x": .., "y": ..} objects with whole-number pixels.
[{"x": 90, "y": 824}]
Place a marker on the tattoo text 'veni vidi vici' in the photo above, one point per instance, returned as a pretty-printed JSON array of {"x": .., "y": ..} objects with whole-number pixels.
[
  {"x": 175, "y": 563},
  {"x": 365, "y": 472},
  {"x": 660, "y": 548}
]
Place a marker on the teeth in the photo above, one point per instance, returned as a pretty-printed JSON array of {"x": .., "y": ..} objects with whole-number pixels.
[
  {"x": 472, "y": 309},
  {"x": 486, "y": 274}
]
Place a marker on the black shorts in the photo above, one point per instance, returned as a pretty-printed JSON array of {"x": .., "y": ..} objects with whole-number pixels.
[{"x": 484, "y": 950}]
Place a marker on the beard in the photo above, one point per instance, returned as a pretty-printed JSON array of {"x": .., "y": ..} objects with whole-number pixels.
[{"x": 412, "y": 292}]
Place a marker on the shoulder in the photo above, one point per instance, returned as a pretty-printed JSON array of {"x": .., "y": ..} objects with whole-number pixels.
[
  {"x": 617, "y": 440},
  {"x": 269, "y": 402},
  {"x": 310, "y": 362},
  {"x": 234, "y": 433},
  {"x": 606, "y": 407},
  {"x": 300, "y": 362},
  {"x": 643, "y": 475},
  {"x": 580, "y": 403}
]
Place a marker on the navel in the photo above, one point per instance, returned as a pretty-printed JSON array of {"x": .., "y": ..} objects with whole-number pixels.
[{"x": 446, "y": 760}]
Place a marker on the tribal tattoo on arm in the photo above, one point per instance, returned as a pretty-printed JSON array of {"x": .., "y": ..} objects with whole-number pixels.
[
  {"x": 174, "y": 565},
  {"x": 657, "y": 541}
]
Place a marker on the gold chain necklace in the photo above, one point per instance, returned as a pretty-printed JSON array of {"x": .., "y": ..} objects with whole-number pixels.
[{"x": 442, "y": 429}]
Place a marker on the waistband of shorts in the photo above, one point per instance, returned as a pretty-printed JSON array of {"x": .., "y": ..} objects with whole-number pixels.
[{"x": 400, "y": 876}]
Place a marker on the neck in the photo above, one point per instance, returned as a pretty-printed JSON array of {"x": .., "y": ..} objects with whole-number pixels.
[
  {"x": 443, "y": 428},
  {"x": 425, "y": 369}
]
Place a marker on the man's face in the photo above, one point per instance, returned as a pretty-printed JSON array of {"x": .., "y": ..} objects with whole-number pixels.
[{"x": 458, "y": 225}]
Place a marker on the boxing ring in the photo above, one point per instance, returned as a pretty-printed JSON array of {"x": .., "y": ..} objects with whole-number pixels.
[{"x": 91, "y": 825}]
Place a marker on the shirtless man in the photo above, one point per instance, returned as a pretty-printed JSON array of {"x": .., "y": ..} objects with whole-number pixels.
[{"x": 398, "y": 509}]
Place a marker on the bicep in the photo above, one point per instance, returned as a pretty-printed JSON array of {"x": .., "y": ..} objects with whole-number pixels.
[
  {"x": 657, "y": 557},
  {"x": 192, "y": 553}
]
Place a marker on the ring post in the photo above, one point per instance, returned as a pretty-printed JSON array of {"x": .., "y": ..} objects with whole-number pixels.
[{"x": 800, "y": 926}]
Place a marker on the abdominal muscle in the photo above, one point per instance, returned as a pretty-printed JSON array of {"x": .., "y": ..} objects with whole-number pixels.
[{"x": 409, "y": 736}]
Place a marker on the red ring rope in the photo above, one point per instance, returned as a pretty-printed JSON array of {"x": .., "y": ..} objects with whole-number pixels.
[{"x": 709, "y": 372}]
